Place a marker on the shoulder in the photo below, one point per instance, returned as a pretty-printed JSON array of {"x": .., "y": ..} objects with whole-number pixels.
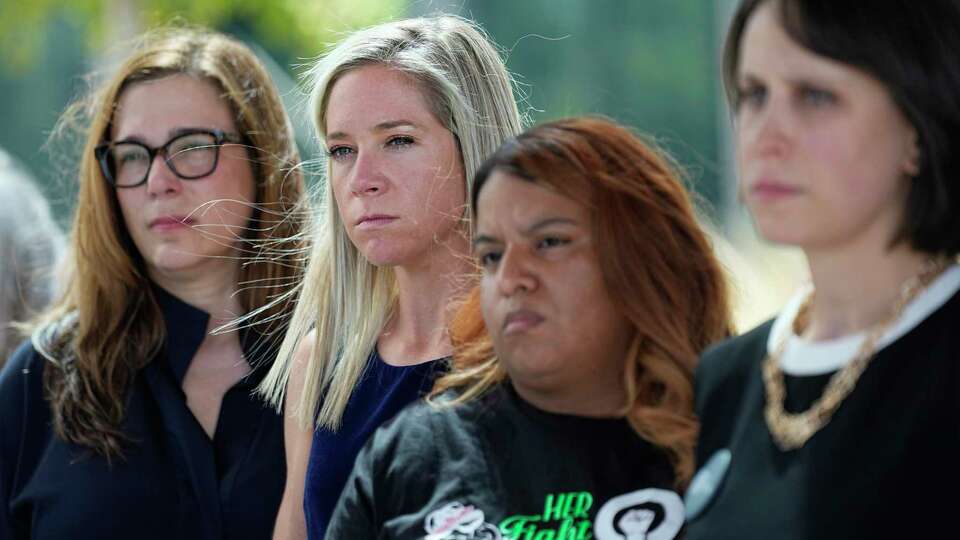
[
  {"x": 420, "y": 441},
  {"x": 423, "y": 424},
  {"x": 406, "y": 464},
  {"x": 727, "y": 377},
  {"x": 299, "y": 361},
  {"x": 22, "y": 404},
  {"x": 731, "y": 361},
  {"x": 20, "y": 376},
  {"x": 23, "y": 401}
]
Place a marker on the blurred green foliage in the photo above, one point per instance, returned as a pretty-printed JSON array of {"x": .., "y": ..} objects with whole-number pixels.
[
  {"x": 651, "y": 64},
  {"x": 49, "y": 46},
  {"x": 295, "y": 28}
]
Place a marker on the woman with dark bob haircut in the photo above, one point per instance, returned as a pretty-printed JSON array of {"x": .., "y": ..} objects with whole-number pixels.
[
  {"x": 839, "y": 418},
  {"x": 568, "y": 410}
]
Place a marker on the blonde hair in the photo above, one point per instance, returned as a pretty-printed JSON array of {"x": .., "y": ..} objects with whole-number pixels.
[
  {"x": 108, "y": 325},
  {"x": 345, "y": 299}
]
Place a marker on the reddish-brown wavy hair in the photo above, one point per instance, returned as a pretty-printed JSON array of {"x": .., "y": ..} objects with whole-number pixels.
[{"x": 658, "y": 266}]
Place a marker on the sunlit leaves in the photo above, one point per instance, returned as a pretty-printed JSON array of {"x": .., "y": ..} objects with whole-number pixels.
[{"x": 299, "y": 28}]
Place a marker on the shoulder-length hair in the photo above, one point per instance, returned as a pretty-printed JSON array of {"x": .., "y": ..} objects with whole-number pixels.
[
  {"x": 910, "y": 48},
  {"x": 108, "y": 325},
  {"x": 657, "y": 263},
  {"x": 344, "y": 298}
]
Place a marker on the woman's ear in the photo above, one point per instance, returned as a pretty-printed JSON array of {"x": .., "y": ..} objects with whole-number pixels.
[{"x": 911, "y": 160}]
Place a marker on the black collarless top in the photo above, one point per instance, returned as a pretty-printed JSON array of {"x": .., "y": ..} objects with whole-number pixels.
[
  {"x": 174, "y": 482},
  {"x": 883, "y": 467}
]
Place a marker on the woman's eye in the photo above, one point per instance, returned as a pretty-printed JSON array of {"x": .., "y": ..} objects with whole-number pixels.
[
  {"x": 751, "y": 96},
  {"x": 488, "y": 259},
  {"x": 339, "y": 152},
  {"x": 401, "y": 140},
  {"x": 132, "y": 157},
  {"x": 551, "y": 241},
  {"x": 817, "y": 97}
]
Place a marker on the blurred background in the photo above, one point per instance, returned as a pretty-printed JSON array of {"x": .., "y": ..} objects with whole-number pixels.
[{"x": 652, "y": 64}]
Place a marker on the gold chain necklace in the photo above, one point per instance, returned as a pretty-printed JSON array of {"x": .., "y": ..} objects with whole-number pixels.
[{"x": 792, "y": 430}]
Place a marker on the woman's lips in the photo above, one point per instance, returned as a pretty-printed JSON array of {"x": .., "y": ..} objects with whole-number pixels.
[
  {"x": 772, "y": 190},
  {"x": 521, "y": 321},
  {"x": 374, "y": 221},
  {"x": 170, "y": 223}
]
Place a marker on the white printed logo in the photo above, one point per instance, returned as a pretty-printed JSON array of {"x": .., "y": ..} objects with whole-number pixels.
[
  {"x": 647, "y": 514},
  {"x": 458, "y": 521}
]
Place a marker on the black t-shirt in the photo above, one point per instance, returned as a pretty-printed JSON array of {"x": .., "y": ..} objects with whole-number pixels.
[
  {"x": 498, "y": 467},
  {"x": 885, "y": 466}
]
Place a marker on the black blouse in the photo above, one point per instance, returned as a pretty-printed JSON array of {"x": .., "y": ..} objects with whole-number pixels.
[
  {"x": 174, "y": 481},
  {"x": 884, "y": 466}
]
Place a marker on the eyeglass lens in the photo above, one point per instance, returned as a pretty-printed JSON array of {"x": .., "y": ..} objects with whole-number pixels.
[{"x": 188, "y": 156}]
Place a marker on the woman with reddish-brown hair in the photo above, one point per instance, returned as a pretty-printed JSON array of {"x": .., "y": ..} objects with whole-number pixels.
[{"x": 573, "y": 412}]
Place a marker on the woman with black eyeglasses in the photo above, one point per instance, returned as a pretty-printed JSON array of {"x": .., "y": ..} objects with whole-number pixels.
[{"x": 123, "y": 416}]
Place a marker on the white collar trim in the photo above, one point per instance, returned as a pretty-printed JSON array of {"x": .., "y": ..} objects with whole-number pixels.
[{"x": 804, "y": 357}]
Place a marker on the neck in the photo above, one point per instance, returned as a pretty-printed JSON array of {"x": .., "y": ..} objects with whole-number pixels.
[
  {"x": 595, "y": 399},
  {"x": 857, "y": 286},
  {"x": 425, "y": 292},
  {"x": 205, "y": 289}
]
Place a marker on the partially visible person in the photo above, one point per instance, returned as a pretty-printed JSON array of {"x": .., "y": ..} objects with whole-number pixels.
[
  {"x": 574, "y": 418},
  {"x": 838, "y": 418},
  {"x": 30, "y": 246},
  {"x": 123, "y": 416},
  {"x": 406, "y": 111}
]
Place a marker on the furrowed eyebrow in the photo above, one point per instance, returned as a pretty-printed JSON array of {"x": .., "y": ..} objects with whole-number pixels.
[{"x": 486, "y": 239}]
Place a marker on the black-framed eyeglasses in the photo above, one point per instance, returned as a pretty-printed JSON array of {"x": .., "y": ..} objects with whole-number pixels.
[{"x": 190, "y": 155}]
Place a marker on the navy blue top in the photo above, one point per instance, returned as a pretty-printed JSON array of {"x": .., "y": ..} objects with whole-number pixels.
[
  {"x": 382, "y": 392},
  {"x": 174, "y": 482}
]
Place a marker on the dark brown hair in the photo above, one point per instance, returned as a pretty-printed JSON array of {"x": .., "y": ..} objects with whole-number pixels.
[{"x": 911, "y": 48}]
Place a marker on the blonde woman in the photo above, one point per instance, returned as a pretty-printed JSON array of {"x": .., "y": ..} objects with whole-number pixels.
[
  {"x": 124, "y": 417},
  {"x": 407, "y": 111}
]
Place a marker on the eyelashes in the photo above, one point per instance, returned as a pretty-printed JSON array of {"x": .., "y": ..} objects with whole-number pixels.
[
  {"x": 754, "y": 96},
  {"x": 397, "y": 142},
  {"x": 489, "y": 258}
]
